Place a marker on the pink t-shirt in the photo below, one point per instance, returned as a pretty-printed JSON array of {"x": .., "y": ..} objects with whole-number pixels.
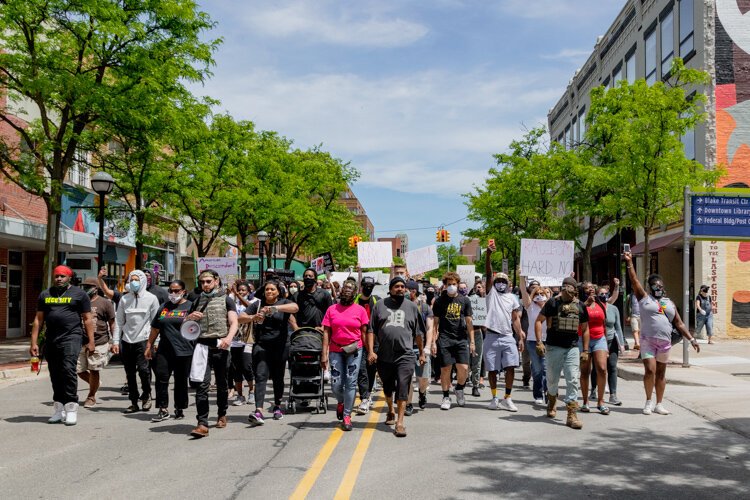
[{"x": 345, "y": 323}]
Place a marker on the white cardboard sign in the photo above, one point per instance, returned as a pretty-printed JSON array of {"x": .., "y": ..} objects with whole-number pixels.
[
  {"x": 422, "y": 260},
  {"x": 548, "y": 261},
  {"x": 374, "y": 254},
  {"x": 467, "y": 273},
  {"x": 226, "y": 267},
  {"x": 479, "y": 310}
]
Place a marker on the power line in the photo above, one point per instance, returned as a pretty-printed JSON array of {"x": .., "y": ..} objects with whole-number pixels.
[{"x": 422, "y": 228}]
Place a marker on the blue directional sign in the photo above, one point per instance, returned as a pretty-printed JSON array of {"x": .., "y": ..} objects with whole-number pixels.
[{"x": 720, "y": 216}]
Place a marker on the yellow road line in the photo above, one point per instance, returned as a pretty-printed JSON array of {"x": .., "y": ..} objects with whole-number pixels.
[
  {"x": 355, "y": 464},
  {"x": 308, "y": 481}
]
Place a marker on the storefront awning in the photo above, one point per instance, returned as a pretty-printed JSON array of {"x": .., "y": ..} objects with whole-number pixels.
[{"x": 657, "y": 244}]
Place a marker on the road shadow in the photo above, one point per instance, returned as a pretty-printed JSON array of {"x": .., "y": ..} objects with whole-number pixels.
[
  {"x": 739, "y": 425},
  {"x": 613, "y": 464},
  {"x": 28, "y": 419},
  {"x": 175, "y": 428}
]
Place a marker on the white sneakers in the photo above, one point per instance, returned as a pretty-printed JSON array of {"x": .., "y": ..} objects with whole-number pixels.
[
  {"x": 460, "y": 398},
  {"x": 58, "y": 415},
  {"x": 71, "y": 413},
  {"x": 540, "y": 402},
  {"x": 507, "y": 404},
  {"x": 493, "y": 404},
  {"x": 659, "y": 408},
  {"x": 648, "y": 407},
  {"x": 446, "y": 404}
]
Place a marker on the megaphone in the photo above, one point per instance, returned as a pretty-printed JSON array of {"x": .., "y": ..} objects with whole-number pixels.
[{"x": 190, "y": 330}]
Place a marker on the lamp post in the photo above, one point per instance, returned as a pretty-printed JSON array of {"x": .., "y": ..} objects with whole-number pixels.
[
  {"x": 102, "y": 183},
  {"x": 262, "y": 238}
]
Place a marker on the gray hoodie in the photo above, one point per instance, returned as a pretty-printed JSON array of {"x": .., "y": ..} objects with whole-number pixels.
[{"x": 135, "y": 313}]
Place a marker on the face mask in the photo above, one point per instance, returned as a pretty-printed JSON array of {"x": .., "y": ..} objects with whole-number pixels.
[
  {"x": 310, "y": 282},
  {"x": 501, "y": 287},
  {"x": 463, "y": 291},
  {"x": 91, "y": 291},
  {"x": 210, "y": 294},
  {"x": 429, "y": 296},
  {"x": 367, "y": 290},
  {"x": 346, "y": 298},
  {"x": 568, "y": 293},
  {"x": 603, "y": 297},
  {"x": 452, "y": 289},
  {"x": 658, "y": 292},
  {"x": 174, "y": 298},
  {"x": 540, "y": 298},
  {"x": 292, "y": 290},
  {"x": 135, "y": 286}
]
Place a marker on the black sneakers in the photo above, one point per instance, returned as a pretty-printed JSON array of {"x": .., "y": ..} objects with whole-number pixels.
[
  {"x": 409, "y": 410},
  {"x": 422, "y": 400},
  {"x": 161, "y": 416},
  {"x": 179, "y": 415}
]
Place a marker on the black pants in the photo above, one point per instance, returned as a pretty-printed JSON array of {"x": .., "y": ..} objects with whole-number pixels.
[
  {"x": 396, "y": 376},
  {"x": 614, "y": 354},
  {"x": 61, "y": 362},
  {"x": 134, "y": 360},
  {"x": 165, "y": 364},
  {"x": 218, "y": 361},
  {"x": 366, "y": 376},
  {"x": 242, "y": 365},
  {"x": 269, "y": 360}
]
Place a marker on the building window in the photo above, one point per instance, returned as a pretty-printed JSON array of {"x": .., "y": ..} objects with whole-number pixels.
[
  {"x": 630, "y": 66},
  {"x": 667, "y": 41},
  {"x": 79, "y": 170},
  {"x": 688, "y": 143},
  {"x": 582, "y": 123},
  {"x": 568, "y": 138},
  {"x": 617, "y": 75},
  {"x": 651, "y": 57},
  {"x": 606, "y": 84},
  {"x": 686, "y": 28},
  {"x": 574, "y": 132}
]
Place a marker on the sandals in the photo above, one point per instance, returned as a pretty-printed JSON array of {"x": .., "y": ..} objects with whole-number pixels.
[
  {"x": 603, "y": 410},
  {"x": 584, "y": 409},
  {"x": 390, "y": 418},
  {"x": 400, "y": 431}
]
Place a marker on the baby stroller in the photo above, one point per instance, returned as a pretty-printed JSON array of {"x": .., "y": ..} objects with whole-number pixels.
[{"x": 305, "y": 372}]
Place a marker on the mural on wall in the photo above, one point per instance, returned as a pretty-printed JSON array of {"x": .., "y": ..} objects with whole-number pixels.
[
  {"x": 119, "y": 229},
  {"x": 733, "y": 146}
]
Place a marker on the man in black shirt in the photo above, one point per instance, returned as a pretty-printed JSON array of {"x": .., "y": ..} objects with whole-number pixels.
[
  {"x": 564, "y": 316},
  {"x": 313, "y": 302},
  {"x": 65, "y": 310}
]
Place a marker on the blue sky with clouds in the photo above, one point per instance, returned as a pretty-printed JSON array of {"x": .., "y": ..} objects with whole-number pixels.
[{"x": 417, "y": 94}]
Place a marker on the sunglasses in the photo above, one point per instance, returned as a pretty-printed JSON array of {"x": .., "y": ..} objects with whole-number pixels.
[{"x": 205, "y": 281}]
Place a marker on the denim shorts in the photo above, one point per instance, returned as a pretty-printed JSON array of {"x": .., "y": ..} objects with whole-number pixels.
[
  {"x": 422, "y": 371},
  {"x": 599, "y": 344}
]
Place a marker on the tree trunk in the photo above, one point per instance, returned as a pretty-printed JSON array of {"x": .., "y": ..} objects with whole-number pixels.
[
  {"x": 52, "y": 238},
  {"x": 140, "y": 222},
  {"x": 586, "y": 256},
  {"x": 647, "y": 251}
]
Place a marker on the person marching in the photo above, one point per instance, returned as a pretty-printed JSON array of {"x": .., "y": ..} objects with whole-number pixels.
[
  {"x": 91, "y": 363},
  {"x": 366, "y": 378},
  {"x": 422, "y": 371},
  {"x": 65, "y": 311}
]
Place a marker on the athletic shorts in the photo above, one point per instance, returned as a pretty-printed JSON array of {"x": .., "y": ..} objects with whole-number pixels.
[
  {"x": 422, "y": 371},
  {"x": 396, "y": 376},
  {"x": 635, "y": 323},
  {"x": 655, "y": 348},
  {"x": 453, "y": 354},
  {"x": 599, "y": 344},
  {"x": 500, "y": 352},
  {"x": 94, "y": 361}
]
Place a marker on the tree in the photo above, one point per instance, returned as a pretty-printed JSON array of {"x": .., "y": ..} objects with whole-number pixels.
[
  {"x": 72, "y": 62},
  {"x": 637, "y": 129}
]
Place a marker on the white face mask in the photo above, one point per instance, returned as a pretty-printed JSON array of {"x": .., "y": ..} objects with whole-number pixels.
[
  {"x": 452, "y": 289},
  {"x": 540, "y": 298},
  {"x": 175, "y": 298}
]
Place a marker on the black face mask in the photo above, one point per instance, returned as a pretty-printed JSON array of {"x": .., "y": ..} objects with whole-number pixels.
[
  {"x": 309, "y": 282},
  {"x": 429, "y": 296},
  {"x": 367, "y": 290},
  {"x": 398, "y": 298},
  {"x": 603, "y": 297},
  {"x": 346, "y": 300}
]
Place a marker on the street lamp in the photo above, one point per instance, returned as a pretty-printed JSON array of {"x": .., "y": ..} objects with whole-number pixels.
[
  {"x": 262, "y": 238},
  {"x": 102, "y": 183}
]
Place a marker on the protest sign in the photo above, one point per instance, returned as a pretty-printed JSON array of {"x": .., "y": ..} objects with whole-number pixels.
[
  {"x": 328, "y": 261},
  {"x": 467, "y": 273},
  {"x": 421, "y": 260},
  {"x": 319, "y": 264},
  {"x": 374, "y": 254},
  {"x": 226, "y": 267},
  {"x": 547, "y": 261},
  {"x": 479, "y": 310}
]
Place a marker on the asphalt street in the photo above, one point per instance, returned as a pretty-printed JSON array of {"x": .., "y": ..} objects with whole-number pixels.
[{"x": 468, "y": 452}]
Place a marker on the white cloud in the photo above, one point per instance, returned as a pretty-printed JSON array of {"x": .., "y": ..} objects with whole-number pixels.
[
  {"x": 341, "y": 24},
  {"x": 554, "y": 9}
]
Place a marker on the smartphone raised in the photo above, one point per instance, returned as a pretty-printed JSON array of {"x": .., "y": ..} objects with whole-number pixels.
[{"x": 626, "y": 248}]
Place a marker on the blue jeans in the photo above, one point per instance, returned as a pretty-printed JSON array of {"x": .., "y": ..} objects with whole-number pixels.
[
  {"x": 567, "y": 360},
  {"x": 539, "y": 388},
  {"x": 708, "y": 321},
  {"x": 344, "y": 373}
]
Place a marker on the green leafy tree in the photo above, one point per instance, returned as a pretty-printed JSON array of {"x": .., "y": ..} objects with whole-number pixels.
[
  {"x": 636, "y": 129},
  {"x": 72, "y": 62}
]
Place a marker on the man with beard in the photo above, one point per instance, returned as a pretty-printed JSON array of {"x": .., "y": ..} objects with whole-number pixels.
[
  {"x": 397, "y": 323},
  {"x": 65, "y": 310},
  {"x": 564, "y": 315},
  {"x": 91, "y": 363}
]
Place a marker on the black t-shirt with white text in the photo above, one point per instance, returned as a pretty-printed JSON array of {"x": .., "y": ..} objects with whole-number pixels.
[{"x": 62, "y": 313}]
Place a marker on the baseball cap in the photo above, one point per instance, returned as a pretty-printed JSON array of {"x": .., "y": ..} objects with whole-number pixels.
[
  {"x": 412, "y": 285},
  {"x": 569, "y": 281},
  {"x": 396, "y": 280},
  {"x": 368, "y": 280},
  {"x": 501, "y": 276}
]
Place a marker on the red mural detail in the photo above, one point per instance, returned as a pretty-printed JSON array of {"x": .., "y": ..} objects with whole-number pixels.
[
  {"x": 744, "y": 252},
  {"x": 726, "y": 96}
]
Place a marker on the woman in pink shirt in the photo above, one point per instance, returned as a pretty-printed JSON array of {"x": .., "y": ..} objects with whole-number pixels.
[{"x": 345, "y": 326}]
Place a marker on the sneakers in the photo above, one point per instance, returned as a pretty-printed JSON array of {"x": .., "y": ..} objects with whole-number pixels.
[
  {"x": 146, "y": 404},
  {"x": 90, "y": 402},
  {"x": 124, "y": 390},
  {"x": 475, "y": 392},
  {"x": 239, "y": 400},
  {"x": 592, "y": 395},
  {"x": 179, "y": 414},
  {"x": 494, "y": 404},
  {"x": 132, "y": 409},
  {"x": 256, "y": 418},
  {"x": 507, "y": 404},
  {"x": 460, "y": 398},
  {"x": 446, "y": 404},
  {"x": 648, "y": 407},
  {"x": 163, "y": 415},
  {"x": 422, "y": 400},
  {"x": 364, "y": 406},
  {"x": 340, "y": 411},
  {"x": 539, "y": 402},
  {"x": 409, "y": 411},
  {"x": 659, "y": 408},
  {"x": 614, "y": 401},
  {"x": 71, "y": 413},
  {"x": 347, "y": 423},
  {"x": 277, "y": 413},
  {"x": 58, "y": 415},
  {"x": 250, "y": 399}
]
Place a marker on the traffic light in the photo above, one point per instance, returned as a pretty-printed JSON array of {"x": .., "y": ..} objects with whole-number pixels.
[
  {"x": 438, "y": 236},
  {"x": 446, "y": 235},
  {"x": 353, "y": 240},
  {"x": 442, "y": 236}
]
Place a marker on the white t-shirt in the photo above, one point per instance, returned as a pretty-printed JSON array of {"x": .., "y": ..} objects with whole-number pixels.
[
  {"x": 500, "y": 307},
  {"x": 533, "y": 311}
]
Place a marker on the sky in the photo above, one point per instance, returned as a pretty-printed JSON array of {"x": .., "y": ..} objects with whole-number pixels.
[{"x": 417, "y": 94}]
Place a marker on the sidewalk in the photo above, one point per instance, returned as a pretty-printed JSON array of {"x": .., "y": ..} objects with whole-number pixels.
[
  {"x": 14, "y": 359},
  {"x": 712, "y": 387}
]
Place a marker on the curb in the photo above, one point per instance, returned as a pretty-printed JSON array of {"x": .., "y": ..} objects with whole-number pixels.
[
  {"x": 19, "y": 370},
  {"x": 627, "y": 371}
]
